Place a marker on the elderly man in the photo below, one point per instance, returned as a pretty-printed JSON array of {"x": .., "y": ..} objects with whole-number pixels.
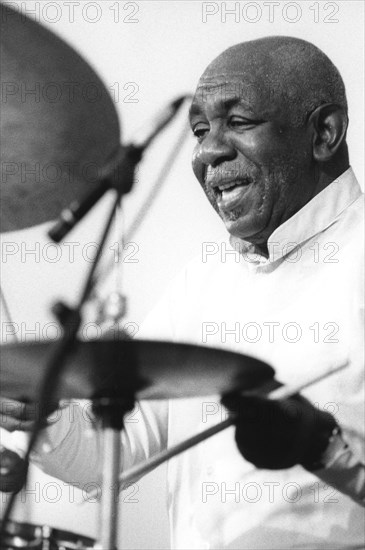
[{"x": 270, "y": 118}]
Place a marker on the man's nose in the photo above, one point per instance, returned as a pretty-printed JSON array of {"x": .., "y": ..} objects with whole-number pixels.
[{"x": 215, "y": 149}]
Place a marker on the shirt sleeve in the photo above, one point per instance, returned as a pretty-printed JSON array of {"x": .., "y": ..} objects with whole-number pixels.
[
  {"x": 70, "y": 449},
  {"x": 345, "y": 461},
  {"x": 345, "y": 471}
]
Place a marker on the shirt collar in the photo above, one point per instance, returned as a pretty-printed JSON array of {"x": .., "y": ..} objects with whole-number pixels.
[{"x": 318, "y": 214}]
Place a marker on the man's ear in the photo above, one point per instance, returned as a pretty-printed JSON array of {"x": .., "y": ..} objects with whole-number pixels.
[{"x": 329, "y": 122}]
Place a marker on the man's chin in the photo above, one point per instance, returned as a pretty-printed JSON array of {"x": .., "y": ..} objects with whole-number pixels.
[{"x": 244, "y": 229}]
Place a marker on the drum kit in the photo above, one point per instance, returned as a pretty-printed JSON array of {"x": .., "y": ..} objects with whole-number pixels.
[
  {"x": 42, "y": 537},
  {"x": 49, "y": 131}
]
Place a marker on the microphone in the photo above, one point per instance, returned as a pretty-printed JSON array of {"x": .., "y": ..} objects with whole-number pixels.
[{"x": 119, "y": 173}]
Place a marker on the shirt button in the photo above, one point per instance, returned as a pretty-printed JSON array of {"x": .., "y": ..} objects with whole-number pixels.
[{"x": 209, "y": 470}]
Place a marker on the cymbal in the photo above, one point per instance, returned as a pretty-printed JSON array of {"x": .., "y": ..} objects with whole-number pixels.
[
  {"x": 110, "y": 367},
  {"x": 59, "y": 126}
]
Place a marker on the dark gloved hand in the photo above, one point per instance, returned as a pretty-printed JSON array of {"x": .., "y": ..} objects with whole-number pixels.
[
  {"x": 15, "y": 415},
  {"x": 280, "y": 434},
  {"x": 13, "y": 471}
]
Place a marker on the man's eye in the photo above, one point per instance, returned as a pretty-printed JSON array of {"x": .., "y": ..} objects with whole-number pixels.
[
  {"x": 200, "y": 130},
  {"x": 240, "y": 123}
]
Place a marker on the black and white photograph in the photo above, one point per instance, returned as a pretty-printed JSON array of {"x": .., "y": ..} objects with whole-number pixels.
[{"x": 182, "y": 356}]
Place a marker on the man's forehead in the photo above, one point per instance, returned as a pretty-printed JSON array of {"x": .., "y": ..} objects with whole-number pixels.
[
  {"x": 241, "y": 60},
  {"x": 226, "y": 89},
  {"x": 246, "y": 69},
  {"x": 237, "y": 81}
]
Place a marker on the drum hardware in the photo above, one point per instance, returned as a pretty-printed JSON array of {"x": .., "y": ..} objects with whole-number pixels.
[
  {"x": 42, "y": 537},
  {"x": 59, "y": 353},
  {"x": 65, "y": 347},
  {"x": 112, "y": 310},
  {"x": 57, "y": 358}
]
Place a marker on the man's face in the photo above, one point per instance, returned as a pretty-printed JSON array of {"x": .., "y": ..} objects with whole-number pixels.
[{"x": 254, "y": 165}]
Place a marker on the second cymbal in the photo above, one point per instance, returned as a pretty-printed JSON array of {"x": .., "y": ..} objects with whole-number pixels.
[{"x": 164, "y": 370}]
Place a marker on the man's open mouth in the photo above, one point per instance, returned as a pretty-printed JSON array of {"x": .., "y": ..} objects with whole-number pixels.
[{"x": 229, "y": 194}]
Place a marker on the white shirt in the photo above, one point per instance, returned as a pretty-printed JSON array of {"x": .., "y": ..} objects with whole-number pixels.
[{"x": 300, "y": 310}]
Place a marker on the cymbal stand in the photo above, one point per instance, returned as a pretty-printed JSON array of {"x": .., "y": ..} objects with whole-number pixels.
[
  {"x": 119, "y": 176},
  {"x": 109, "y": 409},
  {"x": 111, "y": 412}
]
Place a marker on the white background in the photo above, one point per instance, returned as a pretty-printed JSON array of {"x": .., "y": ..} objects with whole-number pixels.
[{"x": 161, "y": 48}]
